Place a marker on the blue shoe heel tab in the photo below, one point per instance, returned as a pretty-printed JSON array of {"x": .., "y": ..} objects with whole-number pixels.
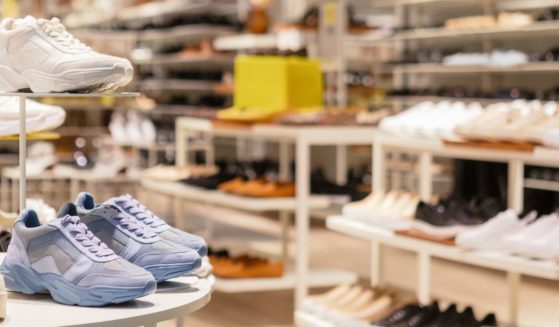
[
  {"x": 29, "y": 218},
  {"x": 67, "y": 209},
  {"x": 85, "y": 200}
]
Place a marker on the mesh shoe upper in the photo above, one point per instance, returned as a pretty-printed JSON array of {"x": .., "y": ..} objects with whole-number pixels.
[
  {"x": 66, "y": 248},
  {"x": 133, "y": 208},
  {"x": 128, "y": 238}
]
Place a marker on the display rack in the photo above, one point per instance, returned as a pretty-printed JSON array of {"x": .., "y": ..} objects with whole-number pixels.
[
  {"x": 303, "y": 138},
  {"x": 514, "y": 266},
  {"x": 22, "y": 127},
  {"x": 172, "y": 300}
]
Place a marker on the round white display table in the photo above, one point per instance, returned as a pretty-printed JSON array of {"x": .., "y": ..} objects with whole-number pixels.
[{"x": 173, "y": 299}]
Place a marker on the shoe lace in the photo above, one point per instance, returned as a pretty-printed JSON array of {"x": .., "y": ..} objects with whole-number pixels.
[
  {"x": 85, "y": 237},
  {"x": 57, "y": 31},
  {"x": 140, "y": 212},
  {"x": 133, "y": 226}
]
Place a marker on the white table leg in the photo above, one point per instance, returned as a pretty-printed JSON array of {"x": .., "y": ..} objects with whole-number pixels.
[
  {"x": 181, "y": 147},
  {"x": 424, "y": 278},
  {"x": 341, "y": 164},
  {"x": 378, "y": 167},
  {"x": 22, "y": 154},
  {"x": 376, "y": 264},
  {"x": 515, "y": 195},
  {"x": 513, "y": 281},
  {"x": 302, "y": 220},
  {"x": 425, "y": 176}
]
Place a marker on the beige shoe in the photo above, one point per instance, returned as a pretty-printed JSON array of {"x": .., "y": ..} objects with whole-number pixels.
[
  {"x": 376, "y": 308},
  {"x": 347, "y": 298},
  {"x": 331, "y": 295},
  {"x": 361, "y": 302}
]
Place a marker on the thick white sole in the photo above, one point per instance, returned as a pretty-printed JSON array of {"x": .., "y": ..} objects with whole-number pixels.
[{"x": 75, "y": 80}]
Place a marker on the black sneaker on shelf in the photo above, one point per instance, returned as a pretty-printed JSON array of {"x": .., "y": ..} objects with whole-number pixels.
[
  {"x": 429, "y": 314},
  {"x": 399, "y": 316},
  {"x": 449, "y": 317}
]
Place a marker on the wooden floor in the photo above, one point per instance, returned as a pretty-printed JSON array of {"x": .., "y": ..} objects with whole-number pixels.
[{"x": 484, "y": 289}]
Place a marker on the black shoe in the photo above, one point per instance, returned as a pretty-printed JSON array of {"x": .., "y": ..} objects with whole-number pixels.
[
  {"x": 401, "y": 315},
  {"x": 447, "y": 318},
  {"x": 424, "y": 317},
  {"x": 489, "y": 320},
  {"x": 467, "y": 318}
]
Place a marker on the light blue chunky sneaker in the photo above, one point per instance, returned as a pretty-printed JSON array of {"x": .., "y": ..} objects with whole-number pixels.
[
  {"x": 64, "y": 258},
  {"x": 132, "y": 240},
  {"x": 128, "y": 205}
]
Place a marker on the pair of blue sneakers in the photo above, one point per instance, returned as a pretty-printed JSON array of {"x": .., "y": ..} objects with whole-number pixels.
[{"x": 98, "y": 254}]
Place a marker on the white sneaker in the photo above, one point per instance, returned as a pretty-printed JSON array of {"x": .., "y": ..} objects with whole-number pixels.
[
  {"x": 490, "y": 235},
  {"x": 544, "y": 247},
  {"x": 41, "y": 55},
  {"x": 516, "y": 243},
  {"x": 45, "y": 212},
  {"x": 38, "y": 117},
  {"x": 117, "y": 127}
]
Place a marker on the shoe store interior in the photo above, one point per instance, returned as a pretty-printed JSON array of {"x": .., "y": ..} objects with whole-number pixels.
[{"x": 312, "y": 163}]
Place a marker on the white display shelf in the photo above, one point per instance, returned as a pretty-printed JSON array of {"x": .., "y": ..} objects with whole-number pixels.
[
  {"x": 317, "y": 278},
  {"x": 173, "y": 299},
  {"x": 240, "y": 42},
  {"x": 540, "y": 155},
  {"x": 184, "y": 33},
  {"x": 161, "y": 9},
  {"x": 201, "y": 195},
  {"x": 532, "y": 67},
  {"x": 178, "y": 85},
  {"x": 491, "y": 260},
  {"x": 538, "y": 184},
  {"x": 306, "y": 319},
  {"x": 191, "y": 62}
]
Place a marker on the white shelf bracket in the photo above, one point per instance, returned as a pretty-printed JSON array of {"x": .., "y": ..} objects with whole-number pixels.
[
  {"x": 302, "y": 221},
  {"x": 378, "y": 166},
  {"x": 376, "y": 264},
  {"x": 513, "y": 288},
  {"x": 515, "y": 195},
  {"x": 425, "y": 177}
]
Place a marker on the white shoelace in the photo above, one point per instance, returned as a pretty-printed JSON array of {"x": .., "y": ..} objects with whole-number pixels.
[
  {"x": 57, "y": 31},
  {"x": 140, "y": 212},
  {"x": 85, "y": 237}
]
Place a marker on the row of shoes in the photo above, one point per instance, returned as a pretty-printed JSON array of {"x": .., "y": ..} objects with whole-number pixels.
[
  {"x": 119, "y": 239},
  {"x": 226, "y": 265},
  {"x": 529, "y": 236},
  {"x": 357, "y": 306},
  {"x": 41, "y": 55},
  {"x": 494, "y": 58},
  {"x": 174, "y": 173},
  {"x": 518, "y": 121},
  {"x": 503, "y": 20},
  {"x": 462, "y": 92},
  {"x": 448, "y": 217},
  {"x": 430, "y": 120},
  {"x": 132, "y": 129},
  {"x": 417, "y": 315},
  {"x": 334, "y": 116},
  {"x": 352, "y": 305},
  {"x": 387, "y": 209},
  {"x": 39, "y": 117}
]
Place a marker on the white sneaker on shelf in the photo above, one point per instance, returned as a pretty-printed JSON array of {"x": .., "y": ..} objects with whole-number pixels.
[
  {"x": 110, "y": 163},
  {"x": 42, "y": 55},
  {"x": 515, "y": 243},
  {"x": 490, "y": 235},
  {"x": 148, "y": 130},
  {"x": 38, "y": 117},
  {"x": 117, "y": 127},
  {"x": 544, "y": 247}
]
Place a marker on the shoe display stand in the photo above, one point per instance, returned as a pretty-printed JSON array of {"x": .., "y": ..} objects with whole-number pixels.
[
  {"x": 514, "y": 267},
  {"x": 304, "y": 138},
  {"x": 173, "y": 299}
]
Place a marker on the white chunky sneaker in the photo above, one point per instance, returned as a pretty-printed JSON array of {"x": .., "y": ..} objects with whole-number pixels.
[
  {"x": 38, "y": 116},
  {"x": 41, "y": 55}
]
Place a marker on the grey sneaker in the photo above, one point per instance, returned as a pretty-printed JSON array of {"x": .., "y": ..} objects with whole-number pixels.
[
  {"x": 130, "y": 206},
  {"x": 133, "y": 241}
]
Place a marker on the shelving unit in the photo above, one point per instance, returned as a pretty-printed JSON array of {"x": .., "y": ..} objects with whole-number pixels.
[
  {"x": 303, "y": 138},
  {"x": 514, "y": 266}
]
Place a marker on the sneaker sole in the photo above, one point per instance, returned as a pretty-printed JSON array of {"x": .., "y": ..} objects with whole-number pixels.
[
  {"x": 23, "y": 279},
  {"x": 75, "y": 80},
  {"x": 163, "y": 272}
]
